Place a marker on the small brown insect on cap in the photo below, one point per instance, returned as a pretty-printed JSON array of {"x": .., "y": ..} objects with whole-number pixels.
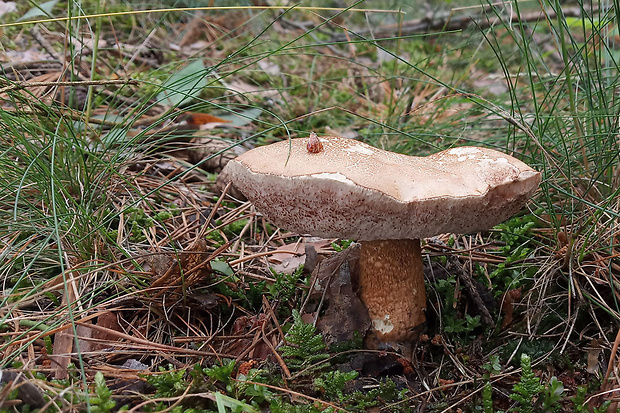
[
  {"x": 353, "y": 190},
  {"x": 314, "y": 144}
]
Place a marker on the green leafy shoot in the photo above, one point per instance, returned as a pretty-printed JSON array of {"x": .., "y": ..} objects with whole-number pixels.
[
  {"x": 285, "y": 285},
  {"x": 221, "y": 373},
  {"x": 168, "y": 383},
  {"x": 527, "y": 390},
  {"x": 552, "y": 395},
  {"x": 332, "y": 383},
  {"x": 103, "y": 402},
  {"x": 305, "y": 346}
]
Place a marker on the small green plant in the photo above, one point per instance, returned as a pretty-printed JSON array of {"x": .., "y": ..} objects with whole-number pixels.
[
  {"x": 332, "y": 383},
  {"x": 460, "y": 325},
  {"x": 235, "y": 394},
  {"x": 517, "y": 246},
  {"x": 492, "y": 367},
  {"x": 254, "y": 294},
  {"x": 102, "y": 402},
  {"x": 527, "y": 390},
  {"x": 487, "y": 398},
  {"x": 231, "y": 230},
  {"x": 342, "y": 245},
  {"x": 305, "y": 346},
  {"x": 285, "y": 285},
  {"x": 385, "y": 391},
  {"x": 171, "y": 211},
  {"x": 551, "y": 395},
  {"x": 138, "y": 221},
  {"x": 530, "y": 395},
  {"x": 356, "y": 343},
  {"x": 284, "y": 288},
  {"x": 221, "y": 373},
  {"x": 534, "y": 348},
  {"x": 453, "y": 322},
  {"x": 169, "y": 383},
  {"x": 257, "y": 393},
  {"x": 242, "y": 389},
  {"x": 8, "y": 396},
  {"x": 579, "y": 402}
]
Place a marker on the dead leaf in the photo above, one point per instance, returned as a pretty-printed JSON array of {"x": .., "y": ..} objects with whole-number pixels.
[
  {"x": 445, "y": 382},
  {"x": 7, "y": 7},
  {"x": 312, "y": 259},
  {"x": 220, "y": 151},
  {"x": 593, "y": 354},
  {"x": 90, "y": 339},
  {"x": 198, "y": 45},
  {"x": 125, "y": 377},
  {"x": 245, "y": 367},
  {"x": 63, "y": 340},
  {"x": 84, "y": 335},
  {"x": 244, "y": 88},
  {"x": 345, "y": 313},
  {"x": 43, "y": 93},
  {"x": 199, "y": 119},
  {"x": 493, "y": 85},
  {"x": 27, "y": 392},
  {"x": 508, "y": 305},
  {"x": 246, "y": 325},
  {"x": 29, "y": 55},
  {"x": 191, "y": 268},
  {"x": 210, "y": 27},
  {"x": 63, "y": 344},
  {"x": 287, "y": 263},
  {"x": 133, "y": 364},
  {"x": 269, "y": 67}
]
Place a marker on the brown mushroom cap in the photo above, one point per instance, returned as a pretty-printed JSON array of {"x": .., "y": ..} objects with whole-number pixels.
[{"x": 353, "y": 190}]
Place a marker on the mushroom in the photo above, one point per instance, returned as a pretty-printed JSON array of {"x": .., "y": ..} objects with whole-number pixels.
[{"x": 388, "y": 202}]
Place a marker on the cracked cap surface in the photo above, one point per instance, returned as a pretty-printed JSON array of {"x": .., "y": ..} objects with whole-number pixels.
[{"x": 353, "y": 190}]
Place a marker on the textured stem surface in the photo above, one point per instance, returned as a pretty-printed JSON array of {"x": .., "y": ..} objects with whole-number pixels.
[{"x": 392, "y": 287}]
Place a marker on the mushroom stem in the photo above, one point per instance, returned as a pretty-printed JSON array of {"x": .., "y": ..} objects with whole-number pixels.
[{"x": 391, "y": 286}]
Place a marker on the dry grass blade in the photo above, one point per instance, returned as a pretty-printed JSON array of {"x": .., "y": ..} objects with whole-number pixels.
[
  {"x": 29, "y": 84},
  {"x": 152, "y": 345}
]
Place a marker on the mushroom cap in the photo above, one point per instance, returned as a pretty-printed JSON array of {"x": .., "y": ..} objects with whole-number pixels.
[{"x": 353, "y": 190}]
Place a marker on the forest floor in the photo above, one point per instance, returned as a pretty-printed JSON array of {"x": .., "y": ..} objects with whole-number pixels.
[{"x": 134, "y": 280}]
